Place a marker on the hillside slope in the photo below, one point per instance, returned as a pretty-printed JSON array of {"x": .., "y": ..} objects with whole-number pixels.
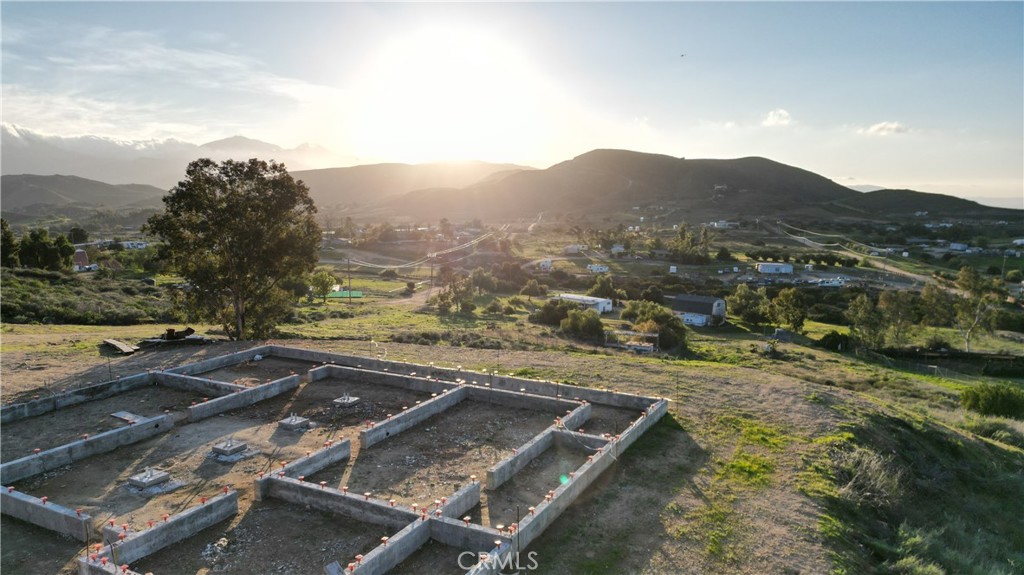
[
  {"x": 612, "y": 180},
  {"x": 374, "y": 182},
  {"x": 29, "y": 192}
]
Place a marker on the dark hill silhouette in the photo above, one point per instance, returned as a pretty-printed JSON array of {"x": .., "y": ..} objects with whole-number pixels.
[
  {"x": 27, "y": 190},
  {"x": 907, "y": 202},
  {"x": 611, "y": 180},
  {"x": 374, "y": 182}
]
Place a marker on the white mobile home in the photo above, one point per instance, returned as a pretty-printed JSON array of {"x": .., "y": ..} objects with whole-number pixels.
[
  {"x": 598, "y": 304},
  {"x": 774, "y": 268}
]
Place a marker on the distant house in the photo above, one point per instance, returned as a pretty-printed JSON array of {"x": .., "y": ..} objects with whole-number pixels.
[
  {"x": 133, "y": 245},
  {"x": 598, "y": 304},
  {"x": 575, "y": 249},
  {"x": 1019, "y": 242},
  {"x": 544, "y": 265},
  {"x": 617, "y": 249},
  {"x": 80, "y": 261},
  {"x": 774, "y": 268},
  {"x": 957, "y": 247},
  {"x": 597, "y": 268},
  {"x": 699, "y": 310}
]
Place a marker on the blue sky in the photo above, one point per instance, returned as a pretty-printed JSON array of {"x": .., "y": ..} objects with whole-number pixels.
[{"x": 917, "y": 94}]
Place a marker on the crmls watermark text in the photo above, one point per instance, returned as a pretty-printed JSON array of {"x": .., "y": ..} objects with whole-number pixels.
[{"x": 510, "y": 561}]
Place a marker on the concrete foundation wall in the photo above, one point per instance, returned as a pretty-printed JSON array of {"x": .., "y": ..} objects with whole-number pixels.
[
  {"x": 583, "y": 441},
  {"x": 578, "y": 417},
  {"x": 139, "y": 544},
  {"x": 190, "y": 383},
  {"x": 455, "y": 533},
  {"x": 70, "y": 452},
  {"x": 240, "y": 398},
  {"x": 508, "y": 467},
  {"x": 11, "y": 413},
  {"x": 531, "y": 526},
  {"x": 410, "y": 417},
  {"x": 221, "y": 361},
  {"x": 49, "y": 516},
  {"x": 331, "y": 500},
  {"x": 309, "y": 465},
  {"x": 633, "y": 432},
  {"x": 462, "y": 501},
  {"x": 399, "y": 380},
  {"x": 400, "y": 546},
  {"x": 508, "y": 383},
  {"x": 520, "y": 400}
]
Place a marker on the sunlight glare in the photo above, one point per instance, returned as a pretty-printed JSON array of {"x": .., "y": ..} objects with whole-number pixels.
[{"x": 447, "y": 94}]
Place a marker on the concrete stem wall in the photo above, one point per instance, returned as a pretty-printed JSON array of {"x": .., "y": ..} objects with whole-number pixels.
[
  {"x": 194, "y": 384},
  {"x": 399, "y": 547},
  {"x": 243, "y": 397},
  {"x": 46, "y": 515},
  {"x": 411, "y": 417},
  {"x": 508, "y": 467},
  {"x": 509, "y": 383},
  {"x": 221, "y": 361},
  {"x": 330, "y": 500},
  {"x": 70, "y": 452},
  {"x": 18, "y": 411},
  {"x": 139, "y": 544}
]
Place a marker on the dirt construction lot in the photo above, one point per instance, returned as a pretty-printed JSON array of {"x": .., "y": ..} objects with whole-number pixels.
[{"x": 644, "y": 515}]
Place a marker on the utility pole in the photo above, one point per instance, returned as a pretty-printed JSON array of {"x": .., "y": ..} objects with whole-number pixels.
[{"x": 349, "y": 281}]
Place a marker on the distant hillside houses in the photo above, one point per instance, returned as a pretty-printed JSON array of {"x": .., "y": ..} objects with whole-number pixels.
[
  {"x": 575, "y": 249},
  {"x": 597, "y": 268},
  {"x": 699, "y": 310}
]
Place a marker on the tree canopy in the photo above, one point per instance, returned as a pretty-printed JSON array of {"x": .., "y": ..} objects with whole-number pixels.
[{"x": 236, "y": 231}]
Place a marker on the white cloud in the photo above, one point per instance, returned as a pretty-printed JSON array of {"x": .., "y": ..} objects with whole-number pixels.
[
  {"x": 884, "y": 129},
  {"x": 777, "y": 117}
]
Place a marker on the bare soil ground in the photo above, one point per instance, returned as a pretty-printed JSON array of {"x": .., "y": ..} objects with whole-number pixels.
[
  {"x": 669, "y": 505},
  {"x": 438, "y": 456},
  {"x": 433, "y": 558},
  {"x": 256, "y": 372},
  {"x": 69, "y": 424}
]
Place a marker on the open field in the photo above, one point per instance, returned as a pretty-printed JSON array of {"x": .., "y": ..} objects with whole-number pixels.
[{"x": 750, "y": 472}]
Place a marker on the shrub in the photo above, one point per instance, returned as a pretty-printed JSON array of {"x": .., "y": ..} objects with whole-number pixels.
[
  {"x": 834, "y": 341},
  {"x": 389, "y": 274},
  {"x": 994, "y": 399},
  {"x": 584, "y": 324}
]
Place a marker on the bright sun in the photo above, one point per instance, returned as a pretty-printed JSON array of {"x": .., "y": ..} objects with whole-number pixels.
[{"x": 447, "y": 94}]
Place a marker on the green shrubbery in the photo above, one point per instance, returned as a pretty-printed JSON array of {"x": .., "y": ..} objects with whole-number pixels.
[
  {"x": 994, "y": 399},
  {"x": 37, "y": 296}
]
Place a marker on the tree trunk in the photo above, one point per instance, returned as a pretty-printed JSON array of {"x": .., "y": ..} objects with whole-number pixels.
[{"x": 239, "y": 306}]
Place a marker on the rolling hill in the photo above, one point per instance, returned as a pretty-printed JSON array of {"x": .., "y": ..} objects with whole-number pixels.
[
  {"x": 32, "y": 193},
  {"x": 599, "y": 182},
  {"x": 613, "y": 180},
  {"x": 371, "y": 183}
]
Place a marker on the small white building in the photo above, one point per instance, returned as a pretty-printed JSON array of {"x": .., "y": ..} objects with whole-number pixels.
[
  {"x": 598, "y": 304},
  {"x": 544, "y": 265},
  {"x": 957, "y": 247},
  {"x": 1019, "y": 242},
  {"x": 617, "y": 249},
  {"x": 774, "y": 268},
  {"x": 597, "y": 268},
  {"x": 575, "y": 249},
  {"x": 134, "y": 245}
]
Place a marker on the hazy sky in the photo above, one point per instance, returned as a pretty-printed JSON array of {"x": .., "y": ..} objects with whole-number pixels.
[{"x": 922, "y": 95}]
